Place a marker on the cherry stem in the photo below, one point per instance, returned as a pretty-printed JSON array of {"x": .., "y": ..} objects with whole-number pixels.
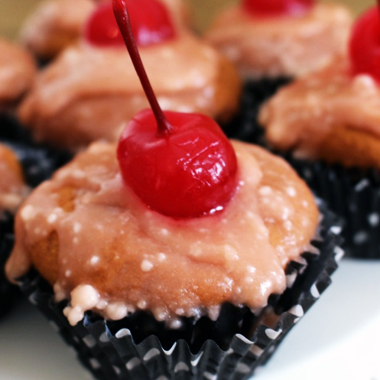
[{"x": 123, "y": 20}]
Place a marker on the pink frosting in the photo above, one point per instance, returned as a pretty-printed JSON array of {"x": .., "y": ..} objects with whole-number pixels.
[
  {"x": 12, "y": 187},
  {"x": 17, "y": 71},
  {"x": 313, "y": 105},
  {"x": 281, "y": 46},
  {"x": 116, "y": 256}
]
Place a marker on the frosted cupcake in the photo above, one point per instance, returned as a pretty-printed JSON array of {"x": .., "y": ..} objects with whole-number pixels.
[
  {"x": 272, "y": 39},
  {"x": 91, "y": 89},
  {"x": 333, "y": 115},
  {"x": 17, "y": 71},
  {"x": 273, "y": 42},
  {"x": 56, "y": 24}
]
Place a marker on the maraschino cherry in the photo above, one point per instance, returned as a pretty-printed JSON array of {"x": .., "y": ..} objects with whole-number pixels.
[
  {"x": 151, "y": 24},
  {"x": 180, "y": 165},
  {"x": 269, "y": 8},
  {"x": 364, "y": 45}
]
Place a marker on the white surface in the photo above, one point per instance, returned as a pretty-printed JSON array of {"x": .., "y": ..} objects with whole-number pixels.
[{"x": 339, "y": 338}]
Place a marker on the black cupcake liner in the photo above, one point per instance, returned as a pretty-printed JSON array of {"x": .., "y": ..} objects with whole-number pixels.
[
  {"x": 244, "y": 125},
  {"x": 39, "y": 162},
  {"x": 7, "y": 291},
  {"x": 353, "y": 194},
  {"x": 231, "y": 348}
]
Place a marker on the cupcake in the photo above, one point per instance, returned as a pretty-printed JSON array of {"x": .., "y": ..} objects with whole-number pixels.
[
  {"x": 273, "y": 42},
  {"x": 17, "y": 71},
  {"x": 17, "y": 74},
  {"x": 12, "y": 185},
  {"x": 175, "y": 252},
  {"x": 332, "y": 115},
  {"x": 92, "y": 88},
  {"x": 272, "y": 39},
  {"x": 56, "y": 24},
  {"x": 12, "y": 191}
]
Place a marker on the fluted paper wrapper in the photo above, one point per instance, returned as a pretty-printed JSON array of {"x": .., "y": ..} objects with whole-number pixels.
[
  {"x": 230, "y": 348},
  {"x": 352, "y": 194}
]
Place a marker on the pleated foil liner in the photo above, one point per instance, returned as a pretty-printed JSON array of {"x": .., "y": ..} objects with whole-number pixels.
[
  {"x": 231, "y": 348},
  {"x": 39, "y": 162}
]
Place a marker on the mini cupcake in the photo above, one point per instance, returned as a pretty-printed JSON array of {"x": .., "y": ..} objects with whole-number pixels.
[
  {"x": 56, "y": 24},
  {"x": 272, "y": 39},
  {"x": 17, "y": 72},
  {"x": 333, "y": 115},
  {"x": 167, "y": 258},
  {"x": 92, "y": 88},
  {"x": 17, "y": 75},
  {"x": 273, "y": 42},
  {"x": 12, "y": 191}
]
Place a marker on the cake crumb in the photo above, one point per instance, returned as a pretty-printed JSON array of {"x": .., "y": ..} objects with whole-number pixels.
[
  {"x": 52, "y": 218},
  {"x": 146, "y": 266},
  {"x": 94, "y": 260},
  {"x": 27, "y": 213}
]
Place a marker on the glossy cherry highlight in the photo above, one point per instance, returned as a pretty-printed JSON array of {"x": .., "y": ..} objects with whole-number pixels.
[
  {"x": 180, "y": 165},
  {"x": 364, "y": 46},
  {"x": 188, "y": 173},
  {"x": 151, "y": 24},
  {"x": 268, "y": 8}
]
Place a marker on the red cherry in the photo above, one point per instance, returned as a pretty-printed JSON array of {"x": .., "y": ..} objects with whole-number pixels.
[
  {"x": 189, "y": 172},
  {"x": 181, "y": 165},
  {"x": 364, "y": 46},
  {"x": 151, "y": 24},
  {"x": 277, "y": 7}
]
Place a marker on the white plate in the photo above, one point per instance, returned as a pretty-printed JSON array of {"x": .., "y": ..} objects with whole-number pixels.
[{"x": 339, "y": 338}]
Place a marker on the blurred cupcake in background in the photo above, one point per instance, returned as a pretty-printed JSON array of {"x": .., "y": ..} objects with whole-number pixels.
[
  {"x": 281, "y": 39},
  {"x": 332, "y": 116},
  {"x": 56, "y": 24},
  {"x": 92, "y": 88},
  {"x": 17, "y": 76},
  {"x": 273, "y": 42},
  {"x": 17, "y": 72}
]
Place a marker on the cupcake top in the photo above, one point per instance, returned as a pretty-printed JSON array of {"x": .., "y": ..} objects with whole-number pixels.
[
  {"x": 333, "y": 113},
  {"x": 17, "y": 71},
  {"x": 88, "y": 92},
  {"x": 319, "y": 104},
  {"x": 56, "y": 24},
  {"x": 100, "y": 247},
  {"x": 283, "y": 45},
  {"x": 12, "y": 187}
]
